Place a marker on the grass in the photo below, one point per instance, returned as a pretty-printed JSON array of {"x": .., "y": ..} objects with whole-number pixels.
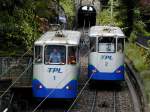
[{"x": 137, "y": 55}]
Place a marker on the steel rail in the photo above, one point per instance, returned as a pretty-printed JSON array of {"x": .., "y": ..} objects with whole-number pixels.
[
  {"x": 94, "y": 102},
  {"x": 114, "y": 102}
]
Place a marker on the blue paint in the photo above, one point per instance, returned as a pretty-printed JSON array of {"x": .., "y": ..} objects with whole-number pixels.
[
  {"x": 105, "y": 75},
  {"x": 54, "y": 93},
  {"x": 54, "y": 70}
]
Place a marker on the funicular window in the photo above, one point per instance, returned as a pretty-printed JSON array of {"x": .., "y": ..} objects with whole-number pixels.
[
  {"x": 55, "y": 54},
  {"x": 120, "y": 45},
  {"x": 73, "y": 55},
  {"x": 106, "y": 44},
  {"x": 38, "y": 54},
  {"x": 93, "y": 44}
]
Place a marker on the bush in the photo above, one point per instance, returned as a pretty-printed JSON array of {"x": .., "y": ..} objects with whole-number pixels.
[
  {"x": 138, "y": 56},
  {"x": 69, "y": 8},
  {"x": 19, "y": 25},
  {"x": 118, "y": 16},
  {"x": 133, "y": 36}
]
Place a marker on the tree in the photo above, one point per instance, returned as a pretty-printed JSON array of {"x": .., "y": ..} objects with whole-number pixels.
[
  {"x": 19, "y": 22},
  {"x": 18, "y": 25}
]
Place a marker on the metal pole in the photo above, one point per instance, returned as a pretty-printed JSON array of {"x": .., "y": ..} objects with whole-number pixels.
[
  {"x": 58, "y": 11},
  {"x": 112, "y": 10}
]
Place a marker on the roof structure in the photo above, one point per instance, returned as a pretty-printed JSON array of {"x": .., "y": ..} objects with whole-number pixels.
[
  {"x": 106, "y": 31},
  {"x": 59, "y": 37}
]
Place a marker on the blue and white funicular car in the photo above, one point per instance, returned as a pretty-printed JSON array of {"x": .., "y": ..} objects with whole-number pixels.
[
  {"x": 56, "y": 65},
  {"x": 106, "y": 59}
]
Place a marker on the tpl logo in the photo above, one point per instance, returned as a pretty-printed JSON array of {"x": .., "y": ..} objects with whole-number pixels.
[
  {"x": 54, "y": 70},
  {"x": 106, "y": 57}
]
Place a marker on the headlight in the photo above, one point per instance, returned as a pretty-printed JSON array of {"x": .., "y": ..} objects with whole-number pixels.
[
  {"x": 68, "y": 87},
  {"x": 118, "y": 71},
  {"x": 40, "y": 86}
]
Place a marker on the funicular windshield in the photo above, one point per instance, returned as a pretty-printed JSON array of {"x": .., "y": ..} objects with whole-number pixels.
[
  {"x": 38, "y": 54},
  {"x": 106, "y": 44},
  {"x": 55, "y": 54}
]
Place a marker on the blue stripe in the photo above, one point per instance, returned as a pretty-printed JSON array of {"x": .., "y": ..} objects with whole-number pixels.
[
  {"x": 97, "y": 75},
  {"x": 54, "y": 93}
]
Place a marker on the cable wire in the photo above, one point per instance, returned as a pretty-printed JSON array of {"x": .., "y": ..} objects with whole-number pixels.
[
  {"x": 16, "y": 80},
  {"x": 57, "y": 86},
  {"x": 86, "y": 83}
]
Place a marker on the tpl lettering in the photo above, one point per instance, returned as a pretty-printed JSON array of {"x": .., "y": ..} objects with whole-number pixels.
[
  {"x": 104, "y": 57},
  {"x": 54, "y": 70}
]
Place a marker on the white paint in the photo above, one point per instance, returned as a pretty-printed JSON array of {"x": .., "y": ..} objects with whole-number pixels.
[
  {"x": 69, "y": 72},
  {"x": 100, "y": 64},
  {"x": 105, "y": 31},
  {"x": 6, "y": 109},
  {"x": 70, "y": 37}
]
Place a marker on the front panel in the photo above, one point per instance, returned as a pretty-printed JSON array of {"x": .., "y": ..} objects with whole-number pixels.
[{"x": 106, "y": 66}]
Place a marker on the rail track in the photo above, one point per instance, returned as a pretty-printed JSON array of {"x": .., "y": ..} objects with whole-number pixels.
[
  {"x": 102, "y": 97},
  {"x": 96, "y": 97}
]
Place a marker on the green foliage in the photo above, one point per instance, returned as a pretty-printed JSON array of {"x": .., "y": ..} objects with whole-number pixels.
[
  {"x": 140, "y": 59},
  {"x": 18, "y": 22},
  {"x": 104, "y": 17},
  {"x": 69, "y": 9},
  {"x": 138, "y": 56},
  {"x": 18, "y": 26},
  {"x": 139, "y": 27},
  {"x": 138, "y": 30},
  {"x": 127, "y": 15},
  {"x": 68, "y": 6},
  {"x": 45, "y": 9},
  {"x": 21, "y": 21},
  {"x": 148, "y": 53},
  {"x": 133, "y": 36}
]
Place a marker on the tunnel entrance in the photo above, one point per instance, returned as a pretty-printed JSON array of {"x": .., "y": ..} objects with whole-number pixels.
[{"x": 86, "y": 16}]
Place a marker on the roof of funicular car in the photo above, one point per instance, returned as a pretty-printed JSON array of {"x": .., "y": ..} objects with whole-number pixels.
[
  {"x": 59, "y": 37},
  {"x": 106, "y": 31}
]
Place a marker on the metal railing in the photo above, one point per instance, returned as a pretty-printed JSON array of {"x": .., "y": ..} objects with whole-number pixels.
[{"x": 16, "y": 69}]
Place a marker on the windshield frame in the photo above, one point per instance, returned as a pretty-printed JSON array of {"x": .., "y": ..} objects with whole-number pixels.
[
  {"x": 106, "y": 43},
  {"x": 77, "y": 55},
  {"x": 61, "y": 45}
]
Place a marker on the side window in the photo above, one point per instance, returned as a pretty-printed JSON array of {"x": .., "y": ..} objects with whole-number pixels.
[
  {"x": 93, "y": 44},
  {"x": 72, "y": 55},
  {"x": 120, "y": 45},
  {"x": 38, "y": 54}
]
